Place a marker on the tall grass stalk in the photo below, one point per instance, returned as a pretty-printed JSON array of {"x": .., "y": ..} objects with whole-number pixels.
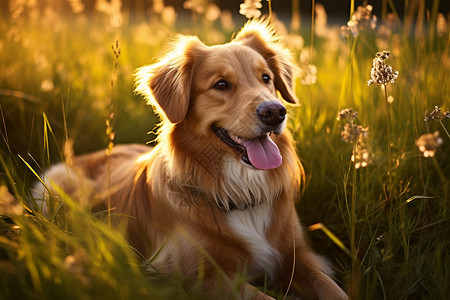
[
  {"x": 353, "y": 212},
  {"x": 352, "y": 7},
  {"x": 349, "y": 179},
  {"x": 389, "y": 143},
  {"x": 355, "y": 269},
  {"x": 346, "y": 92},
  {"x": 445, "y": 129},
  {"x": 313, "y": 14},
  {"x": 109, "y": 127}
]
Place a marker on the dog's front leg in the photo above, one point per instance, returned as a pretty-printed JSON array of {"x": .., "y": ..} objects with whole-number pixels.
[{"x": 312, "y": 275}]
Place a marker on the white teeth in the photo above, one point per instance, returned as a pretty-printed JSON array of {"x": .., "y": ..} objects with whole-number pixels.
[
  {"x": 235, "y": 138},
  {"x": 238, "y": 139}
]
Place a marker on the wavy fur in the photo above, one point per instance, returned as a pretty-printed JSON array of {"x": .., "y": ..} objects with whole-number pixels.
[{"x": 191, "y": 196}]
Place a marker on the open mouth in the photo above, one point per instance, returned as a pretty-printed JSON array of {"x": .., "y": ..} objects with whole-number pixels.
[{"x": 260, "y": 152}]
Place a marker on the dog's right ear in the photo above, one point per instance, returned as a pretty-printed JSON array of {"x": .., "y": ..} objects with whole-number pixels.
[
  {"x": 260, "y": 36},
  {"x": 166, "y": 85}
]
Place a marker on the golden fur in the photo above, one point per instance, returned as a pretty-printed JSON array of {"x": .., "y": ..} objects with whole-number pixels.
[{"x": 191, "y": 196}]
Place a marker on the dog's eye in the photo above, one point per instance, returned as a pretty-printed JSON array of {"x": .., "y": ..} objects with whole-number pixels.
[
  {"x": 266, "y": 78},
  {"x": 222, "y": 85}
]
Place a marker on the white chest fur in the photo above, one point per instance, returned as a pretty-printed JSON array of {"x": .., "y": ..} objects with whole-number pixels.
[
  {"x": 244, "y": 184},
  {"x": 251, "y": 225}
]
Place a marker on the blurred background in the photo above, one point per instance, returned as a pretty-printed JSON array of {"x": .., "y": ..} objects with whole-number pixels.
[
  {"x": 338, "y": 10},
  {"x": 66, "y": 86}
]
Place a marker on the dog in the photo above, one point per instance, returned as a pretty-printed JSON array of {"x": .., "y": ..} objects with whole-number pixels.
[{"x": 217, "y": 193}]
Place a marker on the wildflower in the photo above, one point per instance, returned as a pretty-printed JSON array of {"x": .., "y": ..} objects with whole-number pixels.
[
  {"x": 308, "y": 71},
  {"x": 347, "y": 113},
  {"x": 250, "y": 8},
  {"x": 197, "y": 6},
  {"x": 47, "y": 85},
  {"x": 320, "y": 24},
  {"x": 294, "y": 41},
  {"x": 345, "y": 31},
  {"x": 305, "y": 56},
  {"x": 441, "y": 24},
  {"x": 169, "y": 16},
  {"x": 112, "y": 9},
  {"x": 436, "y": 115},
  {"x": 158, "y": 6},
  {"x": 352, "y": 133},
  {"x": 428, "y": 143},
  {"x": 212, "y": 12},
  {"x": 362, "y": 19},
  {"x": 357, "y": 135},
  {"x": 388, "y": 33},
  {"x": 308, "y": 74},
  {"x": 381, "y": 73},
  {"x": 76, "y": 5},
  {"x": 9, "y": 205}
]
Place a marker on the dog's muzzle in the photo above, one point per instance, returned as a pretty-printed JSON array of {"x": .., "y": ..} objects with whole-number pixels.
[{"x": 260, "y": 152}]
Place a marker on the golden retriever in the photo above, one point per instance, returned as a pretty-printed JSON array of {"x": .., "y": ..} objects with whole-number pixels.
[{"x": 215, "y": 197}]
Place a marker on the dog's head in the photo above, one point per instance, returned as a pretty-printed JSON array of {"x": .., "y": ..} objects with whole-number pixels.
[{"x": 231, "y": 90}]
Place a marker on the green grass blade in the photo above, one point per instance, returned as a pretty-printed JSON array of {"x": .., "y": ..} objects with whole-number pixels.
[{"x": 330, "y": 235}]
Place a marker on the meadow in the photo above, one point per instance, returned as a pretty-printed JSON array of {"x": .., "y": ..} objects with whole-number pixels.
[{"x": 377, "y": 196}]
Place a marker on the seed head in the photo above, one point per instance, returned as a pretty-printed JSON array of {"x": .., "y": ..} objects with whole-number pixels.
[
  {"x": 307, "y": 71},
  {"x": 250, "y": 8},
  {"x": 382, "y": 55},
  {"x": 197, "y": 6},
  {"x": 357, "y": 135},
  {"x": 362, "y": 19},
  {"x": 47, "y": 85},
  {"x": 348, "y": 114},
  {"x": 441, "y": 24},
  {"x": 429, "y": 143},
  {"x": 361, "y": 156},
  {"x": 352, "y": 133},
  {"x": 308, "y": 74},
  {"x": 436, "y": 115},
  {"x": 381, "y": 73}
]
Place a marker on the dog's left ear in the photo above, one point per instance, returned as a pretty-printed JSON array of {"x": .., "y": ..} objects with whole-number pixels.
[
  {"x": 167, "y": 84},
  {"x": 260, "y": 36}
]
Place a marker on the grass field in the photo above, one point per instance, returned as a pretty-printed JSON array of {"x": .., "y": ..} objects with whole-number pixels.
[{"x": 381, "y": 218}]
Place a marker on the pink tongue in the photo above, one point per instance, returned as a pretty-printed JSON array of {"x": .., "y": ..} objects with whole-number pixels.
[{"x": 263, "y": 153}]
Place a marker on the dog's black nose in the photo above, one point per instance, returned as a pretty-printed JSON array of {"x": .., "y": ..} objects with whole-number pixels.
[{"x": 271, "y": 113}]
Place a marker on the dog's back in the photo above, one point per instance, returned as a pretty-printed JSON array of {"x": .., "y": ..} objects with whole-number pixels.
[{"x": 86, "y": 177}]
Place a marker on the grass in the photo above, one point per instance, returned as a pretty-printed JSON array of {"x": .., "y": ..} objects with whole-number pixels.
[{"x": 385, "y": 227}]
